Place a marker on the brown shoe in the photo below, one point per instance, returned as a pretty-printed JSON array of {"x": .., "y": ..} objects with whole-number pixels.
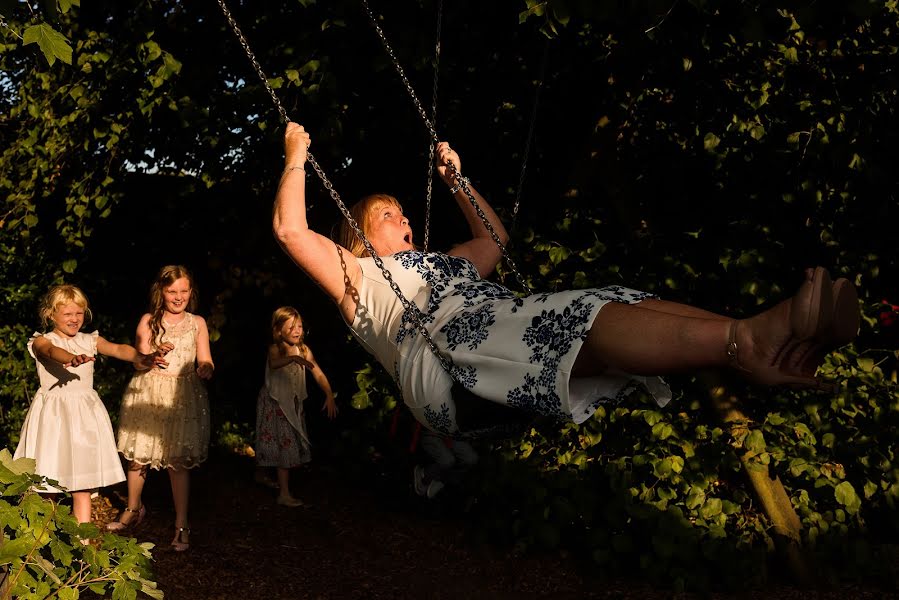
[{"x": 783, "y": 334}]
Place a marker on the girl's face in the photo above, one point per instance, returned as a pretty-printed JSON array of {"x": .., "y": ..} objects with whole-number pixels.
[
  {"x": 68, "y": 319},
  {"x": 389, "y": 230},
  {"x": 292, "y": 331},
  {"x": 176, "y": 296}
]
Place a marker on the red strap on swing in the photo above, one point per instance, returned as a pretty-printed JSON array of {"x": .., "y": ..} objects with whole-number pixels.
[
  {"x": 416, "y": 434},
  {"x": 394, "y": 422}
]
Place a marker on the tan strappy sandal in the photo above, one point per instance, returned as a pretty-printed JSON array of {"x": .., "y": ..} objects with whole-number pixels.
[
  {"x": 119, "y": 526},
  {"x": 810, "y": 319},
  {"x": 182, "y": 539}
]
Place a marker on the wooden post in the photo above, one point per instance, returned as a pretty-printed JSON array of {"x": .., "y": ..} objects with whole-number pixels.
[{"x": 769, "y": 490}]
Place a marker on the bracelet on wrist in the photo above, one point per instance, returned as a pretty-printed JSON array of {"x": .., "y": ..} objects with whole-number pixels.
[
  {"x": 458, "y": 185},
  {"x": 296, "y": 168}
]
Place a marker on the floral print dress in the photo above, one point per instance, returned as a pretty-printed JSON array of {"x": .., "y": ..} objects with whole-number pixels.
[
  {"x": 281, "y": 438},
  {"x": 513, "y": 351}
]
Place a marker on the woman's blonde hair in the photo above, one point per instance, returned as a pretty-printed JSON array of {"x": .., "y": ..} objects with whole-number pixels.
[
  {"x": 281, "y": 316},
  {"x": 58, "y": 295},
  {"x": 167, "y": 275},
  {"x": 362, "y": 212}
]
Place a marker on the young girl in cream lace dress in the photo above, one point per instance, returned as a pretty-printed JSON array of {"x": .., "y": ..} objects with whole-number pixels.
[{"x": 164, "y": 420}]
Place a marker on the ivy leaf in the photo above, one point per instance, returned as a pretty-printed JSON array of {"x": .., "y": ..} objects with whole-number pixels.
[
  {"x": 710, "y": 141},
  {"x": 65, "y": 5},
  {"x": 17, "y": 466},
  {"x": 52, "y": 43},
  {"x": 845, "y": 495},
  {"x": 755, "y": 442}
]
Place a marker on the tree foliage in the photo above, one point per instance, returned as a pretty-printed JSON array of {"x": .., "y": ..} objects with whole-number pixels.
[{"x": 41, "y": 552}]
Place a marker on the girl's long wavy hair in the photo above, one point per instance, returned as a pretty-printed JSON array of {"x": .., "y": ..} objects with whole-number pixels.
[
  {"x": 58, "y": 295},
  {"x": 362, "y": 212},
  {"x": 166, "y": 277},
  {"x": 279, "y": 318}
]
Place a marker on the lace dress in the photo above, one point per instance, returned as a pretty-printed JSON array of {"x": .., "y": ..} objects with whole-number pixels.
[
  {"x": 164, "y": 419},
  {"x": 281, "y": 438},
  {"x": 512, "y": 351},
  {"x": 67, "y": 429}
]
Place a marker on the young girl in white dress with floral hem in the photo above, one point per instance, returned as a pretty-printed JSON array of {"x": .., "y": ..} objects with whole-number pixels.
[
  {"x": 164, "y": 419},
  {"x": 281, "y": 438},
  {"x": 67, "y": 429}
]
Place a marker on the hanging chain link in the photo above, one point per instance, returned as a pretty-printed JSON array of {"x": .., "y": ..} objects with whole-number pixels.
[
  {"x": 411, "y": 309},
  {"x": 457, "y": 176},
  {"x": 432, "y": 145},
  {"x": 246, "y": 48},
  {"x": 531, "y": 127}
]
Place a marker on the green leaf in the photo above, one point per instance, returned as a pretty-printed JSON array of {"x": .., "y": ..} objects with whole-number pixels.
[
  {"x": 16, "y": 548},
  {"x": 695, "y": 498},
  {"x": 710, "y": 141},
  {"x": 662, "y": 431},
  {"x": 65, "y": 5},
  {"x": 69, "y": 265},
  {"x": 558, "y": 254},
  {"x": 53, "y": 44},
  {"x": 755, "y": 442},
  {"x": 17, "y": 466},
  {"x": 68, "y": 594},
  {"x": 845, "y": 495},
  {"x": 711, "y": 508}
]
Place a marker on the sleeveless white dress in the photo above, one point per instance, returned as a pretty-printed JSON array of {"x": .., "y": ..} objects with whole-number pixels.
[
  {"x": 67, "y": 429},
  {"x": 281, "y": 437},
  {"x": 513, "y": 351},
  {"x": 164, "y": 419}
]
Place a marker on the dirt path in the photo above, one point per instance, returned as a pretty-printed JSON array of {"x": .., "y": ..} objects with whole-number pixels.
[{"x": 352, "y": 541}]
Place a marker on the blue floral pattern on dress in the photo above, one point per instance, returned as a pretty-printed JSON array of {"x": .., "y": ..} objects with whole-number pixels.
[
  {"x": 521, "y": 360},
  {"x": 469, "y": 328},
  {"x": 439, "y": 421},
  {"x": 549, "y": 339},
  {"x": 467, "y": 376},
  {"x": 533, "y": 396}
]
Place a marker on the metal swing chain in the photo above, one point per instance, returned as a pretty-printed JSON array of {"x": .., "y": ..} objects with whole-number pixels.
[
  {"x": 457, "y": 176},
  {"x": 246, "y": 48},
  {"x": 531, "y": 127},
  {"x": 433, "y": 146},
  {"x": 411, "y": 309}
]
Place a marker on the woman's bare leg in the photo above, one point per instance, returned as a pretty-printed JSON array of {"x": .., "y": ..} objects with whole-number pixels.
[
  {"x": 645, "y": 341},
  {"x": 656, "y": 338},
  {"x": 676, "y": 308}
]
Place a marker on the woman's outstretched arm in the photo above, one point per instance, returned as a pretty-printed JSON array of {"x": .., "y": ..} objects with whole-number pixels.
[
  {"x": 317, "y": 255},
  {"x": 481, "y": 249}
]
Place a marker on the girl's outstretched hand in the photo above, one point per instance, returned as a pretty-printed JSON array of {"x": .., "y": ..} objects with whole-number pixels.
[
  {"x": 302, "y": 361},
  {"x": 445, "y": 156},
  {"x": 204, "y": 370},
  {"x": 296, "y": 145},
  {"x": 330, "y": 407},
  {"x": 78, "y": 360},
  {"x": 147, "y": 361},
  {"x": 165, "y": 348}
]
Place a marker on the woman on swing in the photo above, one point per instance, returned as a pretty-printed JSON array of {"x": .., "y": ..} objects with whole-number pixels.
[{"x": 556, "y": 354}]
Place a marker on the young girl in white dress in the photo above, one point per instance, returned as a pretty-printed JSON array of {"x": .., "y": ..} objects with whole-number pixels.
[
  {"x": 67, "y": 430},
  {"x": 281, "y": 438},
  {"x": 164, "y": 419}
]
